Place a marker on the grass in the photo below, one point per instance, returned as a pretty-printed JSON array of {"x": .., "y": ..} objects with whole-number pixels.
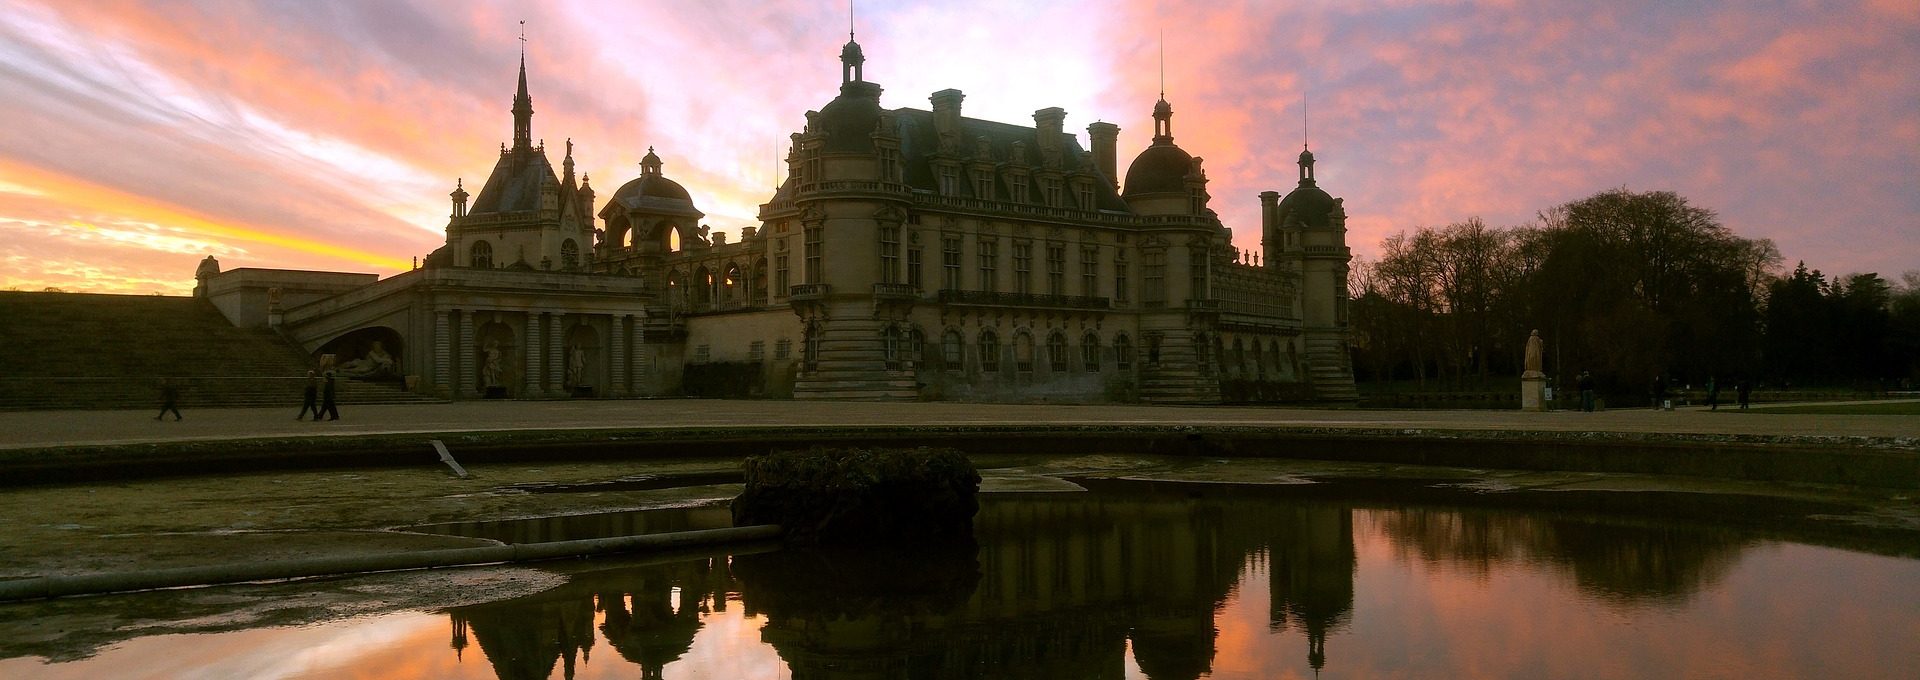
[{"x": 1898, "y": 408}]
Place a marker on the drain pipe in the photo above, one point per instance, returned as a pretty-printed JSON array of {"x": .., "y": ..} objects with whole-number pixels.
[{"x": 90, "y": 584}]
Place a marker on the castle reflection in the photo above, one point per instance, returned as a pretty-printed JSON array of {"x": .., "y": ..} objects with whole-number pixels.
[{"x": 1065, "y": 586}]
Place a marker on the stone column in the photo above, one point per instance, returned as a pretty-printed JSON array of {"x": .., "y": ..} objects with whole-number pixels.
[
  {"x": 532, "y": 364},
  {"x": 442, "y": 355},
  {"x": 556, "y": 353},
  {"x": 617, "y": 345},
  {"x": 468, "y": 352}
]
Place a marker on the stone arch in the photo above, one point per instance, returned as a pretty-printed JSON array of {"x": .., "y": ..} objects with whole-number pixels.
[
  {"x": 1238, "y": 366},
  {"x": 1090, "y": 352},
  {"x": 676, "y": 289},
  {"x": 732, "y": 283},
  {"x": 369, "y": 353},
  {"x": 1122, "y": 352},
  {"x": 700, "y": 287},
  {"x": 953, "y": 350},
  {"x": 569, "y": 255},
  {"x": 1023, "y": 350}
]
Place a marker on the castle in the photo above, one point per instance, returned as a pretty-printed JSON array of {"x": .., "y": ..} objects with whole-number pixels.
[{"x": 909, "y": 254}]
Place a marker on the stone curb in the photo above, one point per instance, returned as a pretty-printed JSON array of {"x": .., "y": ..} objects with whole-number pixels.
[{"x": 90, "y": 584}]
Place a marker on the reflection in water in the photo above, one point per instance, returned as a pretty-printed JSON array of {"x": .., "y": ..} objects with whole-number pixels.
[{"x": 1176, "y": 581}]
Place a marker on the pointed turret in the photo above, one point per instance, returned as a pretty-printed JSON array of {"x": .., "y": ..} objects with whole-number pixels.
[{"x": 522, "y": 111}]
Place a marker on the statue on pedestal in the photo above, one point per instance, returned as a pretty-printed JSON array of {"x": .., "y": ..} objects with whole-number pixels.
[{"x": 1531, "y": 369}]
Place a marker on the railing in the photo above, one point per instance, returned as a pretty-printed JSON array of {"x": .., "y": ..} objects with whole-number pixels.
[
  {"x": 897, "y": 291},
  {"x": 808, "y": 291},
  {"x": 1203, "y": 305},
  {"x": 983, "y": 297}
]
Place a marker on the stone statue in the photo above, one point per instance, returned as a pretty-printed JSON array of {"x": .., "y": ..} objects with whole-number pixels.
[
  {"x": 376, "y": 364},
  {"x": 1532, "y": 366},
  {"x": 490, "y": 365},
  {"x": 576, "y": 365}
]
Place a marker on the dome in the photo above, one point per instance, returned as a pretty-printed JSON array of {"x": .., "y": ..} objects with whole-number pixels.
[
  {"x": 651, "y": 186},
  {"x": 1161, "y": 168},
  {"x": 850, "y": 119},
  {"x": 1310, "y": 204}
]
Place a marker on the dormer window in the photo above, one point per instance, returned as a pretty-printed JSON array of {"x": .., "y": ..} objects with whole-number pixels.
[
  {"x": 1050, "y": 188},
  {"x": 983, "y": 184},
  {"x": 1017, "y": 184},
  {"x": 949, "y": 180},
  {"x": 1085, "y": 191}
]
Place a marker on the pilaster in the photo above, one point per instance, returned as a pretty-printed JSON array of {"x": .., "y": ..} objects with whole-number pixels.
[
  {"x": 442, "y": 355},
  {"x": 532, "y": 364}
]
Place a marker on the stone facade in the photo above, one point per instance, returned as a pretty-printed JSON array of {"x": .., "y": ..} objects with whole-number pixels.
[{"x": 910, "y": 254}]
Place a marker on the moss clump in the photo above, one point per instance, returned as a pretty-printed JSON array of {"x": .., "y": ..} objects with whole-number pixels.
[{"x": 858, "y": 496}]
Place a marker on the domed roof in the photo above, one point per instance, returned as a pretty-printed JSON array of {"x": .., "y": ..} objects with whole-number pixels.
[
  {"x": 652, "y": 186},
  {"x": 1161, "y": 168},
  {"x": 850, "y": 119},
  {"x": 1310, "y": 203}
]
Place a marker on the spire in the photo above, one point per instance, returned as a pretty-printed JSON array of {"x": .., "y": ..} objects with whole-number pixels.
[
  {"x": 567, "y": 165},
  {"x": 851, "y": 58},
  {"x": 1162, "y": 111},
  {"x": 522, "y": 104}
]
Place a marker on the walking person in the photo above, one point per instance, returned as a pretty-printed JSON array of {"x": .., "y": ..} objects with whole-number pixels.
[
  {"x": 1585, "y": 383},
  {"x": 1713, "y": 394},
  {"x": 309, "y": 399},
  {"x": 327, "y": 404},
  {"x": 169, "y": 399},
  {"x": 1743, "y": 391}
]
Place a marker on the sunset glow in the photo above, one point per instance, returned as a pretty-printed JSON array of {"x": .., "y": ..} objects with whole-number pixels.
[{"x": 141, "y": 137}]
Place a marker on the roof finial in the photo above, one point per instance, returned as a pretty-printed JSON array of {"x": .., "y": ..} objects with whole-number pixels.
[
  {"x": 850, "y": 7},
  {"x": 1303, "y": 123},
  {"x": 1163, "y": 63}
]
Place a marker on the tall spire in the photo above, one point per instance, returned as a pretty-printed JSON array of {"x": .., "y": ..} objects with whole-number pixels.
[
  {"x": 851, "y": 58},
  {"x": 523, "y": 104},
  {"x": 1162, "y": 111}
]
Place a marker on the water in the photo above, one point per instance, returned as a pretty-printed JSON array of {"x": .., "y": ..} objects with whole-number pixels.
[{"x": 1160, "y": 581}]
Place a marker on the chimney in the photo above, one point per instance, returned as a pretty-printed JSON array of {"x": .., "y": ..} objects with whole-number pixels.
[
  {"x": 1046, "y": 126},
  {"x": 946, "y": 118},
  {"x": 1104, "y": 136}
]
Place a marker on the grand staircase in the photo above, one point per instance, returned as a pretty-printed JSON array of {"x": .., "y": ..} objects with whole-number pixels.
[{"x": 82, "y": 350}]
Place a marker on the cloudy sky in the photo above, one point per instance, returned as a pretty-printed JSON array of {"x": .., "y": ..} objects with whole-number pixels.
[{"x": 138, "y": 137}]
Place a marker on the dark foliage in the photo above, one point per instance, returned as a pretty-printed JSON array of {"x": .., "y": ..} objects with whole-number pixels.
[{"x": 859, "y": 496}]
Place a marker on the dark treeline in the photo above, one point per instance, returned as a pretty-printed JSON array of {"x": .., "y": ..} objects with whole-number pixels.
[{"x": 1629, "y": 286}]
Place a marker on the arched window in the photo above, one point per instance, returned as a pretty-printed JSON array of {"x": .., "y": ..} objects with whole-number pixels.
[
  {"x": 950, "y": 350},
  {"x": 810, "y": 347},
  {"x": 1090, "y": 352},
  {"x": 702, "y": 286},
  {"x": 1259, "y": 360},
  {"x": 569, "y": 255},
  {"x": 1122, "y": 352},
  {"x": 1023, "y": 351},
  {"x": 989, "y": 351},
  {"x": 676, "y": 290},
  {"x": 916, "y": 347},
  {"x": 730, "y": 284},
  {"x": 482, "y": 255},
  {"x": 1057, "y": 352},
  {"x": 891, "y": 338}
]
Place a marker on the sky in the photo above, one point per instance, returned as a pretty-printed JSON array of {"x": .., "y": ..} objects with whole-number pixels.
[{"x": 138, "y": 137}]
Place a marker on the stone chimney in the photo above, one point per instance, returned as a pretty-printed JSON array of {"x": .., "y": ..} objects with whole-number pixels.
[
  {"x": 1046, "y": 126},
  {"x": 946, "y": 119},
  {"x": 1104, "y": 137},
  {"x": 719, "y": 238}
]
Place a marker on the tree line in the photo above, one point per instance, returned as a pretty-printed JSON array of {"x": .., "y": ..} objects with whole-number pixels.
[{"x": 1632, "y": 287}]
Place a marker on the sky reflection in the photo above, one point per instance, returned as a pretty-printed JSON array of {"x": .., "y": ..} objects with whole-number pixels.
[{"x": 1160, "y": 587}]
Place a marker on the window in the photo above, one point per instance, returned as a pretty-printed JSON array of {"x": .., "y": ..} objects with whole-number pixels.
[
  {"x": 569, "y": 255},
  {"x": 1051, "y": 191},
  {"x": 950, "y": 262},
  {"x": 1120, "y": 284},
  {"x": 1056, "y": 269},
  {"x": 1090, "y": 353},
  {"x": 950, "y": 350},
  {"x": 810, "y": 347},
  {"x": 1023, "y": 352},
  {"x": 916, "y": 347},
  {"x": 949, "y": 180},
  {"x": 812, "y": 254},
  {"x": 889, "y": 165},
  {"x": 1018, "y": 185},
  {"x": 1022, "y": 267},
  {"x": 989, "y": 351},
  {"x": 1196, "y": 200},
  {"x": 913, "y": 268},
  {"x": 702, "y": 354},
  {"x": 983, "y": 184},
  {"x": 1197, "y": 270},
  {"x": 1089, "y": 271},
  {"x": 1086, "y": 196},
  {"x": 889, "y": 254},
  {"x": 814, "y": 173},
  {"x": 760, "y": 282},
  {"x": 756, "y": 350},
  {"x": 781, "y": 280},
  {"x": 1153, "y": 350},
  {"x": 482, "y": 255},
  {"x": 891, "y": 339},
  {"x": 1153, "y": 272},
  {"x": 989, "y": 264},
  {"x": 1057, "y": 352},
  {"x": 1202, "y": 354},
  {"x": 1122, "y": 352},
  {"x": 783, "y": 349}
]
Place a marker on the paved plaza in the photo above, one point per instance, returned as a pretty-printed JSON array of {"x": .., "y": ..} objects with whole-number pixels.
[{"x": 34, "y": 429}]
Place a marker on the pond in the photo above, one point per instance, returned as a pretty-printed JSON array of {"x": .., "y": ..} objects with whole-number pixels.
[{"x": 1156, "y": 580}]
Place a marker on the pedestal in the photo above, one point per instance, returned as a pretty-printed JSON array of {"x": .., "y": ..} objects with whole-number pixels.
[{"x": 1533, "y": 393}]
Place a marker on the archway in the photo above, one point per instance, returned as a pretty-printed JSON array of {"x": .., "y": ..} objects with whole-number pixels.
[
  {"x": 496, "y": 360},
  {"x": 372, "y": 353}
]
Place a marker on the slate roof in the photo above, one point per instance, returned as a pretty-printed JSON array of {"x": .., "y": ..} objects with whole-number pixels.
[
  {"x": 515, "y": 183},
  {"x": 919, "y": 141}
]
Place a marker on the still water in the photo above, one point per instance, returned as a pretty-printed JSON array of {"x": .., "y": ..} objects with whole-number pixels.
[{"x": 1159, "y": 581}]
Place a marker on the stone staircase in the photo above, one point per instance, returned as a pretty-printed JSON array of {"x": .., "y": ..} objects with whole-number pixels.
[{"x": 82, "y": 350}]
